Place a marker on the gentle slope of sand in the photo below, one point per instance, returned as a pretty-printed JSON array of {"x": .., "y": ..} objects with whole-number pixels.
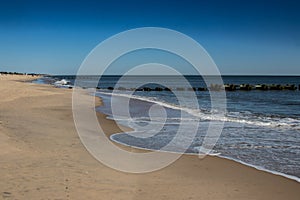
[{"x": 42, "y": 157}]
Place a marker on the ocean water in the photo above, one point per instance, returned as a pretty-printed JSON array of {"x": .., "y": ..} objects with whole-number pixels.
[{"x": 261, "y": 128}]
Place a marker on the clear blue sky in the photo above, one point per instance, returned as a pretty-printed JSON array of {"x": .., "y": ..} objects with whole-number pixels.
[{"x": 243, "y": 37}]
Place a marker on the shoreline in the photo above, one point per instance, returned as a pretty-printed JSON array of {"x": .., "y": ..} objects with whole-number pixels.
[
  {"x": 260, "y": 168},
  {"x": 100, "y": 115},
  {"x": 44, "y": 157}
]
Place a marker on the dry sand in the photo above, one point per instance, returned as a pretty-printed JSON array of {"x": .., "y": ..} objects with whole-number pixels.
[{"x": 42, "y": 157}]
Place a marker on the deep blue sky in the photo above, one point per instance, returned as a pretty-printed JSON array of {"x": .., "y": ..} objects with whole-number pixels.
[{"x": 243, "y": 37}]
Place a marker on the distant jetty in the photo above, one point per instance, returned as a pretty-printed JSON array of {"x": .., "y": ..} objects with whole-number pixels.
[
  {"x": 213, "y": 87},
  {"x": 216, "y": 87}
]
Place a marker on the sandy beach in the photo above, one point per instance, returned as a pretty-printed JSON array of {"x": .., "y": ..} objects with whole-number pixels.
[{"x": 42, "y": 157}]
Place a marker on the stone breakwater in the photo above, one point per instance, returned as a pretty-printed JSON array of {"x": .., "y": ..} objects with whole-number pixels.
[{"x": 215, "y": 87}]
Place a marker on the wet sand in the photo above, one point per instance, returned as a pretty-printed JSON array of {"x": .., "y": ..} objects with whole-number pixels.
[{"x": 42, "y": 157}]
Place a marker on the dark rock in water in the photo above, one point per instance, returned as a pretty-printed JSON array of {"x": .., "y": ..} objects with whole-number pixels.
[
  {"x": 246, "y": 87},
  {"x": 158, "y": 89},
  {"x": 276, "y": 87},
  {"x": 290, "y": 87},
  {"x": 167, "y": 89},
  {"x": 273, "y": 87},
  {"x": 98, "y": 88},
  {"x": 293, "y": 87},
  {"x": 110, "y": 88},
  {"x": 202, "y": 89},
  {"x": 139, "y": 89},
  {"x": 147, "y": 89},
  {"x": 230, "y": 87},
  {"x": 235, "y": 87},
  {"x": 280, "y": 87}
]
